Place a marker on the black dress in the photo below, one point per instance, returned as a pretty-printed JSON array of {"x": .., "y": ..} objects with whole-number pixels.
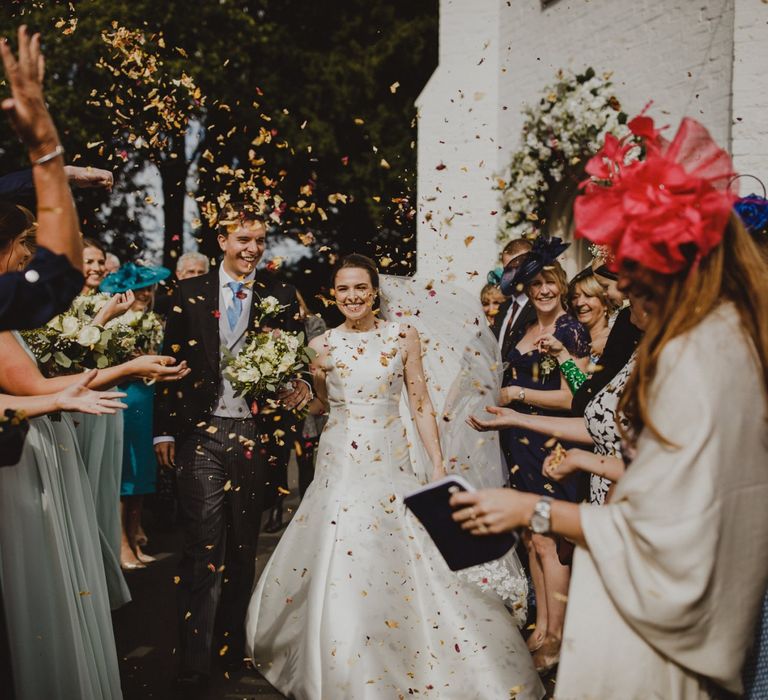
[{"x": 525, "y": 450}]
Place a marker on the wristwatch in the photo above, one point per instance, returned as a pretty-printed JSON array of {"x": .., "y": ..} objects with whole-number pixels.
[
  {"x": 521, "y": 395},
  {"x": 541, "y": 517}
]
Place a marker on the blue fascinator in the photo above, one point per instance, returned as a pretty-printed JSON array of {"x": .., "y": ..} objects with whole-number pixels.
[
  {"x": 544, "y": 253},
  {"x": 753, "y": 211},
  {"x": 131, "y": 276},
  {"x": 494, "y": 276}
]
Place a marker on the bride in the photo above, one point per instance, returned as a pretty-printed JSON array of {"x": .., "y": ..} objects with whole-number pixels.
[{"x": 356, "y": 602}]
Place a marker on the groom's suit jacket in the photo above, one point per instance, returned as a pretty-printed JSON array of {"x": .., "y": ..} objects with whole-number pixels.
[{"x": 192, "y": 334}]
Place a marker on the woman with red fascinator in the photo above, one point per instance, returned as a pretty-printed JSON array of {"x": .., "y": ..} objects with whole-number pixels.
[{"x": 655, "y": 569}]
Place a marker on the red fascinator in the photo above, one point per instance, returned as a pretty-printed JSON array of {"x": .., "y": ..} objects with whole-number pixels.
[{"x": 666, "y": 211}]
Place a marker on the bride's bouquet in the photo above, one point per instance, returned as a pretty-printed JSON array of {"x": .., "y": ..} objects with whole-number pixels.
[
  {"x": 72, "y": 341},
  {"x": 266, "y": 361}
]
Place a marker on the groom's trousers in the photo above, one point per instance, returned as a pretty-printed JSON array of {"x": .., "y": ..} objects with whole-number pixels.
[{"x": 220, "y": 478}]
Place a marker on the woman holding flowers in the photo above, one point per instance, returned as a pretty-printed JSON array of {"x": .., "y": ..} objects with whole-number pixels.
[
  {"x": 645, "y": 614},
  {"x": 139, "y": 462}
]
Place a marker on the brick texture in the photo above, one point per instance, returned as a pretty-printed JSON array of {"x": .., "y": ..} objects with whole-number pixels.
[{"x": 701, "y": 58}]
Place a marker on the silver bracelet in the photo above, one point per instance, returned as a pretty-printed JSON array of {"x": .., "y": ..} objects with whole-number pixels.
[{"x": 55, "y": 153}]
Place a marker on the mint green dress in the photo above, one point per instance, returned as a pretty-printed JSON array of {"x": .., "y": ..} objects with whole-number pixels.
[
  {"x": 101, "y": 444},
  {"x": 54, "y": 589}
]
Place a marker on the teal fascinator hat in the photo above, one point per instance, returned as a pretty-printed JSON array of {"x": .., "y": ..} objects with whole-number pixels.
[{"x": 131, "y": 276}]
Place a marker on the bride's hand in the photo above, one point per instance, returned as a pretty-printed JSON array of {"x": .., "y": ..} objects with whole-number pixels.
[
  {"x": 502, "y": 418},
  {"x": 438, "y": 471},
  {"x": 78, "y": 397}
]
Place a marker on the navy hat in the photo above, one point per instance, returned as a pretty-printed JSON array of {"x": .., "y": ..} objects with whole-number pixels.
[
  {"x": 544, "y": 253},
  {"x": 131, "y": 276}
]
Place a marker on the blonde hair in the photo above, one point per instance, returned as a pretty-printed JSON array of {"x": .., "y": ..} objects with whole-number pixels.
[
  {"x": 734, "y": 271},
  {"x": 552, "y": 273},
  {"x": 590, "y": 287}
]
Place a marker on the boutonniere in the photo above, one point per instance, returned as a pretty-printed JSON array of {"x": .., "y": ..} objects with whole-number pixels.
[{"x": 267, "y": 307}]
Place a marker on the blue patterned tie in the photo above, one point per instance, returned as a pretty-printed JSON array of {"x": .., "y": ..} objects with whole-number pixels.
[{"x": 234, "y": 311}]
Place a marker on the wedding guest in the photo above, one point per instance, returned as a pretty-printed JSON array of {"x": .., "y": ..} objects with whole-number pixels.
[
  {"x": 590, "y": 305},
  {"x": 646, "y": 616},
  {"x": 753, "y": 211},
  {"x": 597, "y": 428},
  {"x": 112, "y": 263},
  {"x": 100, "y": 439},
  {"x": 187, "y": 266},
  {"x": 53, "y": 278},
  {"x": 94, "y": 265},
  {"x": 191, "y": 265},
  {"x": 139, "y": 461},
  {"x": 220, "y": 476},
  {"x": 491, "y": 300},
  {"x": 516, "y": 313},
  {"x": 539, "y": 388},
  {"x": 620, "y": 345}
]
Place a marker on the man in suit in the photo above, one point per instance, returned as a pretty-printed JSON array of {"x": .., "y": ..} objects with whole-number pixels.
[
  {"x": 515, "y": 314},
  {"x": 213, "y": 440}
]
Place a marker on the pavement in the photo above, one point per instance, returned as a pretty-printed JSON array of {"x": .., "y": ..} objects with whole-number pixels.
[{"x": 145, "y": 629}]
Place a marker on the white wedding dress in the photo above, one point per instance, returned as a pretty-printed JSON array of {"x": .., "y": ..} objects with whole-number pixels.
[{"x": 356, "y": 601}]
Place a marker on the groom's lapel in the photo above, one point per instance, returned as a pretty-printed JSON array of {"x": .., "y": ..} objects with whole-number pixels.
[
  {"x": 208, "y": 305},
  {"x": 259, "y": 291}
]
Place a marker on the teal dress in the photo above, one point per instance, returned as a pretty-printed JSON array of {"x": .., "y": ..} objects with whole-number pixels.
[
  {"x": 101, "y": 445},
  {"x": 54, "y": 590},
  {"x": 139, "y": 461}
]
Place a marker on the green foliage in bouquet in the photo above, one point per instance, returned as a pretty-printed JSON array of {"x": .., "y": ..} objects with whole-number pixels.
[
  {"x": 266, "y": 361},
  {"x": 72, "y": 341}
]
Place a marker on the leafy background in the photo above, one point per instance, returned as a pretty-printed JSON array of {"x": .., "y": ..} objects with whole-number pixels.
[{"x": 335, "y": 83}]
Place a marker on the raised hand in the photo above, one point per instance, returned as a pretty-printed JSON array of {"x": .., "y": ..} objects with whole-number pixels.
[
  {"x": 557, "y": 467},
  {"x": 78, "y": 397},
  {"x": 26, "y": 107},
  {"x": 88, "y": 177},
  {"x": 549, "y": 344},
  {"x": 117, "y": 305},
  {"x": 158, "y": 368}
]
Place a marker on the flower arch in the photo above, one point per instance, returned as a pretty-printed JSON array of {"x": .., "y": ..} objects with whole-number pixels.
[{"x": 560, "y": 132}]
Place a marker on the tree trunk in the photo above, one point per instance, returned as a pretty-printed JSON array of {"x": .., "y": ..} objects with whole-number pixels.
[{"x": 173, "y": 172}]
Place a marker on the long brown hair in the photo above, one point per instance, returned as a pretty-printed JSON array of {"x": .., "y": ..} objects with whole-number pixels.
[{"x": 734, "y": 271}]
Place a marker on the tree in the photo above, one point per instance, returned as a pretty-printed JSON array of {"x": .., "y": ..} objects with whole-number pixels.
[{"x": 334, "y": 84}]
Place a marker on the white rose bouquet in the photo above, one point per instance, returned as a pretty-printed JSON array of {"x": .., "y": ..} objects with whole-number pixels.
[
  {"x": 267, "y": 360},
  {"x": 144, "y": 328},
  {"x": 72, "y": 341}
]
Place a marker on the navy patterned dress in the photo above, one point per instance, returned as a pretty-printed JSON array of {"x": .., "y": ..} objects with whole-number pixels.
[{"x": 524, "y": 450}]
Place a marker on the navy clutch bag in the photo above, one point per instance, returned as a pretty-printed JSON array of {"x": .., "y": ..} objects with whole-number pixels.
[{"x": 460, "y": 550}]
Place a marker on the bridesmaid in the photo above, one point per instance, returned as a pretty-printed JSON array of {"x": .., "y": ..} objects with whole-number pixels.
[
  {"x": 139, "y": 476},
  {"x": 100, "y": 438}
]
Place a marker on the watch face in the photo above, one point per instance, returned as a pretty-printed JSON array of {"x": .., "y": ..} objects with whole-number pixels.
[{"x": 539, "y": 524}]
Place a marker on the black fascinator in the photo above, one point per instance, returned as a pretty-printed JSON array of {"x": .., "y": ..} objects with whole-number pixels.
[{"x": 544, "y": 253}]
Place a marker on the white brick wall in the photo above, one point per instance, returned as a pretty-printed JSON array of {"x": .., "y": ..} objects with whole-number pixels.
[
  {"x": 497, "y": 54},
  {"x": 750, "y": 92}
]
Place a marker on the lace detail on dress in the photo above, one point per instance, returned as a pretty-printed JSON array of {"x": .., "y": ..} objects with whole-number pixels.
[{"x": 573, "y": 335}]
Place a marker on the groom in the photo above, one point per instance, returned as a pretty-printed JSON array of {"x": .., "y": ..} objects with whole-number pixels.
[{"x": 217, "y": 446}]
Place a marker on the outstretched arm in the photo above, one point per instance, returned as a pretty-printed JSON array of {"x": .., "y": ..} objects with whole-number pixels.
[
  {"x": 570, "y": 429},
  {"x": 418, "y": 397}
]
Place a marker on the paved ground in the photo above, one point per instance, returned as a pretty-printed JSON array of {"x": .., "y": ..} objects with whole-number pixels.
[{"x": 145, "y": 629}]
